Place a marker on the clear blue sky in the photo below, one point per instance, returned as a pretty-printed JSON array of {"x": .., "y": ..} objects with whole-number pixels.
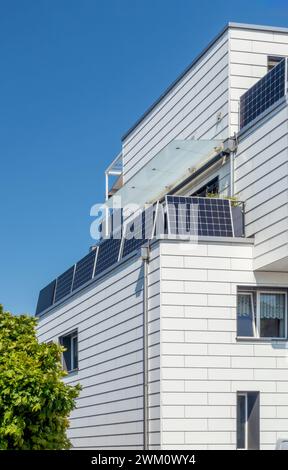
[{"x": 75, "y": 75}]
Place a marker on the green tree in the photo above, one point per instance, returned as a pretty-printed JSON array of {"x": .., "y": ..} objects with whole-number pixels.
[{"x": 35, "y": 403}]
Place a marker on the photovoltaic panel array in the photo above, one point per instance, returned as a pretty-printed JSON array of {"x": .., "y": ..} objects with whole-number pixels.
[
  {"x": 108, "y": 253},
  {"x": 46, "y": 297},
  {"x": 199, "y": 216},
  {"x": 263, "y": 94},
  {"x": 139, "y": 230},
  {"x": 64, "y": 284},
  {"x": 111, "y": 223},
  {"x": 84, "y": 269}
]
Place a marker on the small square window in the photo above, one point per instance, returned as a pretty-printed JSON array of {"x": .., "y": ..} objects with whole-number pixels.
[
  {"x": 70, "y": 355},
  {"x": 272, "y": 61}
]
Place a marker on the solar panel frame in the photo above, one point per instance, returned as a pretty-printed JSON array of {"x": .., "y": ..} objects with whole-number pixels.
[
  {"x": 214, "y": 216},
  {"x": 108, "y": 254},
  {"x": 267, "y": 91},
  {"x": 133, "y": 244},
  {"x": 84, "y": 269},
  {"x": 64, "y": 284},
  {"x": 46, "y": 297}
]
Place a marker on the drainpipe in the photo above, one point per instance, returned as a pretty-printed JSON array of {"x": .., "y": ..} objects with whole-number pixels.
[
  {"x": 232, "y": 174},
  {"x": 145, "y": 257}
]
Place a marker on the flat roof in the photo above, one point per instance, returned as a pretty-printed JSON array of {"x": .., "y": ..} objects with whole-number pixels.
[{"x": 197, "y": 58}]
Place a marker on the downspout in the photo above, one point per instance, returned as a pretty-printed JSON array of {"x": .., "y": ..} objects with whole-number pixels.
[
  {"x": 145, "y": 257},
  {"x": 232, "y": 174}
]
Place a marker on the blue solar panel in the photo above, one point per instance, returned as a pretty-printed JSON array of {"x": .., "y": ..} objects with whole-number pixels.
[
  {"x": 84, "y": 270},
  {"x": 46, "y": 297},
  {"x": 263, "y": 94},
  {"x": 139, "y": 230},
  {"x": 108, "y": 253},
  {"x": 111, "y": 223},
  {"x": 199, "y": 216},
  {"x": 64, "y": 284}
]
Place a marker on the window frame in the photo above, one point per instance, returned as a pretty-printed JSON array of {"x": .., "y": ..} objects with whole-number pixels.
[
  {"x": 250, "y": 294},
  {"x": 72, "y": 335},
  {"x": 256, "y": 314},
  {"x": 252, "y": 419},
  {"x": 215, "y": 181},
  {"x": 258, "y": 318},
  {"x": 273, "y": 58},
  {"x": 245, "y": 395}
]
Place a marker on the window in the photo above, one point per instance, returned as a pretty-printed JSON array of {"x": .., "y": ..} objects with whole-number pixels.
[
  {"x": 248, "y": 420},
  {"x": 245, "y": 315},
  {"x": 262, "y": 314},
  {"x": 272, "y": 309},
  {"x": 272, "y": 61},
  {"x": 70, "y": 355},
  {"x": 210, "y": 188}
]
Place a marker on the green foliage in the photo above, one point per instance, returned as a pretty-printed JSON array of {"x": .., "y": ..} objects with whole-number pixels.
[
  {"x": 34, "y": 401},
  {"x": 233, "y": 199}
]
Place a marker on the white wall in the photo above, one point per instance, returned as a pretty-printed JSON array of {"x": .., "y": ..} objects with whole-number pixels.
[
  {"x": 202, "y": 364},
  {"x": 261, "y": 180},
  {"x": 189, "y": 109},
  {"x": 109, "y": 318},
  {"x": 235, "y": 62}
]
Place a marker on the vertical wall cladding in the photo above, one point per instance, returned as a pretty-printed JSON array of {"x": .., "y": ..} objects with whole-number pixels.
[
  {"x": 109, "y": 319},
  {"x": 202, "y": 364},
  {"x": 248, "y": 51},
  {"x": 196, "y": 106},
  {"x": 261, "y": 180}
]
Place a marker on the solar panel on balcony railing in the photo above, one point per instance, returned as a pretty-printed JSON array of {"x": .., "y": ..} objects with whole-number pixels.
[
  {"x": 139, "y": 230},
  {"x": 263, "y": 94},
  {"x": 46, "y": 297},
  {"x": 84, "y": 269},
  {"x": 64, "y": 284},
  {"x": 108, "y": 253},
  {"x": 199, "y": 216}
]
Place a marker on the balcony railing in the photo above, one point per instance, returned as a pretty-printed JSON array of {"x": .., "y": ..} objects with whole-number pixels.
[
  {"x": 115, "y": 169},
  {"x": 215, "y": 217},
  {"x": 261, "y": 96}
]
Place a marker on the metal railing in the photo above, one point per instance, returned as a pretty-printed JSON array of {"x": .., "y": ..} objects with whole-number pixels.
[{"x": 94, "y": 263}]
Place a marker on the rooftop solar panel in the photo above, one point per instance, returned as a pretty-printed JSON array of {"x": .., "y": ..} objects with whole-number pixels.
[
  {"x": 263, "y": 94},
  {"x": 139, "y": 230},
  {"x": 199, "y": 216},
  {"x": 64, "y": 284},
  {"x": 46, "y": 297},
  {"x": 108, "y": 253},
  {"x": 84, "y": 269}
]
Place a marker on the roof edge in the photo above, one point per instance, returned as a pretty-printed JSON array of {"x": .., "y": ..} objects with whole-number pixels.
[
  {"x": 171, "y": 86},
  {"x": 230, "y": 25}
]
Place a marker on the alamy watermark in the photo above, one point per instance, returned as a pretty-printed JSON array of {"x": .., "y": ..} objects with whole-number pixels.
[{"x": 151, "y": 221}]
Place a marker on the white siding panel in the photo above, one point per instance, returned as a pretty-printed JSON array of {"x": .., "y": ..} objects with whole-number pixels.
[
  {"x": 109, "y": 319},
  {"x": 199, "y": 395},
  {"x": 190, "y": 108}
]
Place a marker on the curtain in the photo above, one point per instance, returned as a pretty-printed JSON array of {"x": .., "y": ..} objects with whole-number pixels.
[
  {"x": 272, "y": 306},
  {"x": 244, "y": 308}
]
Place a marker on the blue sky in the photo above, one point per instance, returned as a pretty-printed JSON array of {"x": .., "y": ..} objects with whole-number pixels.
[{"x": 75, "y": 75}]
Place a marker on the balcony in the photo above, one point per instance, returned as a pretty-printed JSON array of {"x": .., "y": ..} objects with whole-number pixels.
[
  {"x": 265, "y": 93},
  {"x": 169, "y": 167},
  {"x": 177, "y": 216}
]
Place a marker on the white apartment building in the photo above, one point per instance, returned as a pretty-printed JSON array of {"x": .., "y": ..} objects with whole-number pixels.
[{"x": 182, "y": 343}]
